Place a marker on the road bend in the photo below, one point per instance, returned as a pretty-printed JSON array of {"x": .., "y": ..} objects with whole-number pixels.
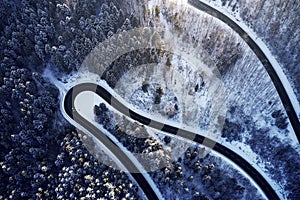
[
  {"x": 120, "y": 155},
  {"x": 114, "y": 102}
]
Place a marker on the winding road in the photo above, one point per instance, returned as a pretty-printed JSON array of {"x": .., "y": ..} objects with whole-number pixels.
[
  {"x": 241, "y": 162},
  {"x": 121, "y": 156},
  {"x": 110, "y": 99},
  {"x": 285, "y": 98}
]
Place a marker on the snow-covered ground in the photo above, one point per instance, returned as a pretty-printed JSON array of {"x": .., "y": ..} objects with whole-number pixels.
[
  {"x": 180, "y": 81},
  {"x": 195, "y": 21},
  {"x": 227, "y": 161},
  {"x": 182, "y": 77},
  {"x": 85, "y": 103},
  {"x": 247, "y": 82},
  {"x": 235, "y": 16}
]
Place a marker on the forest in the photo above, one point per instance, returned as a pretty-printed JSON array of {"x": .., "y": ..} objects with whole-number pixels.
[{"x": 42, "y": 155}]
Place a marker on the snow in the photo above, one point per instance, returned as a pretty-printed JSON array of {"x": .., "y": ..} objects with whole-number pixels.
[
  {"x": 144, "y": 100},
  {"x": 95, "y": 99},
  {"x": 181, "y": 144},
  {"x": 242, "y": 148},
  {"x": 235, "y": 17},
  {"x": 240, "y": 170},
  {"x": 180, "y": 91},
  {"x": 288, "y": 88},
  {"x": 247, "y": 153},
  {"x": 85, "y": 103},
  {"x": 87, "y": 110}
]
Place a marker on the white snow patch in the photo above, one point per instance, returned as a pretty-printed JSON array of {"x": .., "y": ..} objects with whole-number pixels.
[
  {"x": 235, "y": 17},
  {"x": 86, "y": 101},
  {"x": 247, "y": 153},
  {"x": 87, "y": 110},
  {"x": 84, "y": 104}
]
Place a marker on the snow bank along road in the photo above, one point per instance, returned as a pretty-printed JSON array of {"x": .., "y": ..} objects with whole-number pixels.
[
  {"x": 120, "y": 155},
  {"x": 104, "y": 94},
  {"x": 283, "y": 88}
]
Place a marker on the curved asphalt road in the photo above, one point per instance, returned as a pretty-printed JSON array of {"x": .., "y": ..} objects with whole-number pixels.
[
  {"x": 261, "y": 56},
  {"x": 103, "y": 93},
  {"x": 123, "y": 158}
]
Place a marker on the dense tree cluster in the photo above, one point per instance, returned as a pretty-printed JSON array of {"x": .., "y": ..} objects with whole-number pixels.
[
  {"x": 137, "y": 141},
  {"x": 223, "y": 48},
  {"x": 82, "y": 176},
  {"x": 34, "y": 161},
  {"x": 40, "y": 160},
  {"x": 81, "y": 32},
  {"x": 194, "y": 177},
  {"x": 59, "y": 33},
  {"x": 277, "y": 24},
  {"x": 128, "y": 61},
  {"x": 184, "y": 176},
  {"x": 146, "y": 148},
  {"x": 234, "y": 127},
  {"x": 232, "y": 131},
  {"x": 283, "y": 158},
  {"x": 280, "y": 119},
  {"x": 27, "y": 132}
]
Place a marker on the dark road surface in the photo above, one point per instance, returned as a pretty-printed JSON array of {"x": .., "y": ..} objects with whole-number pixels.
[
  {"x": 292, "y": 115},
  {"x": 122, "y": 157},
  {"x": 104, "y": 94}
]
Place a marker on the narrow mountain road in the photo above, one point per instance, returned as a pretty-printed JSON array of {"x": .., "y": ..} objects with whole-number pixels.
[
  {"x": 112, "y": 146},
  {"x": 283, "y": 94},
  {"x": 104, "y": 94}
]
